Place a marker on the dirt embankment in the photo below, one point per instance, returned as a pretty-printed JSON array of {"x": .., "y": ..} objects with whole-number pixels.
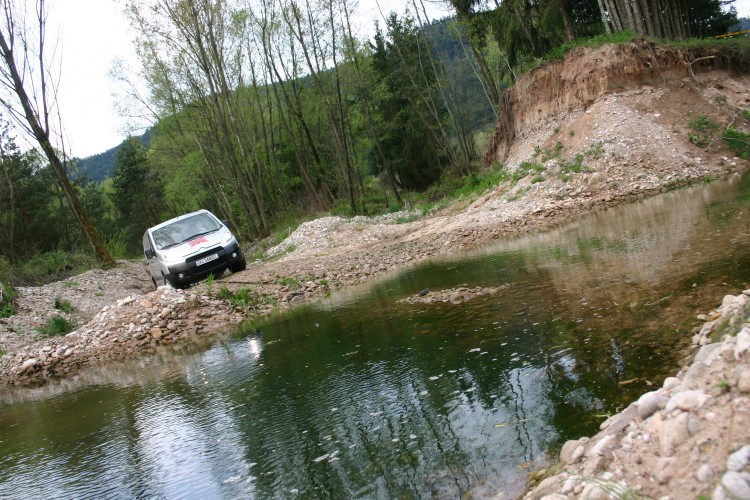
[{"x": 599, "y": 128}]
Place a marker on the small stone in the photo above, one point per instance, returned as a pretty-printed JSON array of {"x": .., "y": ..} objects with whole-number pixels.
[
  {"x": 146, "y": 304},
  {"x": 29, "y": 364},
  {"x": 548, "y": 486},
  {"x": 155, "y": 333},
  {"x": 671, "y": 382},
  {"x": 673, "y": 433},
  {"x": 566, "y": 452},
  {"x": 172, "y": 326},
  {"x": 649, "y": 403},
  {"x": 694, "y": 425},
  {"x": 687, "y": 400},
  {"x": 570, "y": 484},
  {"x": 739, "y": 459},
  {"x": 665, "y": 469},
  {"x": 743, "y": 381},
  {"x": 735, "y": 485},
  {"x": 704, "y": 473},
  {"x": 743, "y": 343}
]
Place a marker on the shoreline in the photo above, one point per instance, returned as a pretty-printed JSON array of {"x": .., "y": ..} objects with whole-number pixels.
[
  {"x": 143, "y": 322},
  {"x": 691, "y": 437}
]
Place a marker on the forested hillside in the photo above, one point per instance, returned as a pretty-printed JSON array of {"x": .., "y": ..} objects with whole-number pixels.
[
  {"x": 271, "y": 112},
  {"x": 101, "y": 166}
]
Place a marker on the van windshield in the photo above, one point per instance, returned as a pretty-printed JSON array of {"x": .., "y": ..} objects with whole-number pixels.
[{"x": 185, "y": 230}]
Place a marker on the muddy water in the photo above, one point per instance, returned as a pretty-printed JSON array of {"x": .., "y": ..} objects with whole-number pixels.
[{"x": 363, "y": 396}]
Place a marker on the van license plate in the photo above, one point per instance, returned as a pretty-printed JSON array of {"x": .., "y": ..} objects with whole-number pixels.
[{"x": 202, "y": 261}]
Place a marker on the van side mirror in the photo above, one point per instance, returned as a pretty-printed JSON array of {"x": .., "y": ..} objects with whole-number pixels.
[
  {"x": 225, "y": 222},
  {"x": 149, "y": 253}
]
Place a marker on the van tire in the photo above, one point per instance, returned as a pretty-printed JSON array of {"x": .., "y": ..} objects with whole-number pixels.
[{"x": 238, "y": 266}]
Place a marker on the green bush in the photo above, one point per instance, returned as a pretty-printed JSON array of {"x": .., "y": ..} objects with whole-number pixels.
[
  {"x": 46, "y": 267},
  {"x": 57, "y": 325},
  {"x": 8, "y": 296},
  {"x": 705, "y": 129},
  {"x": 738, "y": 142},
  {"x": 64, "y": 305}
]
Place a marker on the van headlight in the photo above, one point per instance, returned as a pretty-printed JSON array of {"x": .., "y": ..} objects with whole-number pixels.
[
  {"x": 227, "y": 237},
  {"x": 165, "y": 257}
]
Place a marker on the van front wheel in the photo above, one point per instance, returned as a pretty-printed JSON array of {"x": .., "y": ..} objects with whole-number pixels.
[{"x": 238, "y": 266}]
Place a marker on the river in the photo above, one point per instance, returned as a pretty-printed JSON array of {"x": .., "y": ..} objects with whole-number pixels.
[{"x": 361, "y": 395}]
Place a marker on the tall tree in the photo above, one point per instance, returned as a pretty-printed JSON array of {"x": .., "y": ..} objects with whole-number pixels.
[{"x": 30, "y": 100}]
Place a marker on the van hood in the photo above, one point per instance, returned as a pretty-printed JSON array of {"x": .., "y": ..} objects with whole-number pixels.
[{"x": 198, "y": 244}]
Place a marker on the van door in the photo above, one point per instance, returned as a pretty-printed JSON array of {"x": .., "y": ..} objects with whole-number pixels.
[{"x": 153, "y": 265}]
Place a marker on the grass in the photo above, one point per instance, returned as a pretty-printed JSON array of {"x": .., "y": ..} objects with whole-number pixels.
[
  {"x": 57, "y": 325},
  {"x": 64, "y": 305},
  {"x": 704, "y": 129},
  {"x": 3, "y": 352},
  {"x": 738, "y": 142},
  {"x": 286, "y": 281},
  {"x": 244, "y": 297},
  {"x": 44, "y": 268}
]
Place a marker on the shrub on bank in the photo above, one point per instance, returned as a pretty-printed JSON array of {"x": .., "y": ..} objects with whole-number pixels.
[
  {"x": 57, "y": 325},
  {"x": 45, "y": 268},
  {"x": 8, "y": 296}
]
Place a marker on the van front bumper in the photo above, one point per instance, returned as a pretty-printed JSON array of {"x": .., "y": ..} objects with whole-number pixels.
[{"x": 184, "y": 273}]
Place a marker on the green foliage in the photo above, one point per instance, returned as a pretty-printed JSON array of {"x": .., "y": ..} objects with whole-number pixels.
[
  {"x": 287, "y": 281},
  {"x": 519, "y": 193},
  {"x": 574, "y": 166},
  {"x": 244, "y": 298},
  {"x": 524, "y": 169},
  {"x": 210, "y": 283},
  {"x": 57, "y": 325},
  {"x": 64, "y": 305},
  {"x": 738, "y": 142},
  {"x": 46, "y": 267},
  {"x": 704, "y": 130},
  {"x": 591, "y": 42},
  {"x": 138, "y": 194},
  {"x": 8, "y": 296}
]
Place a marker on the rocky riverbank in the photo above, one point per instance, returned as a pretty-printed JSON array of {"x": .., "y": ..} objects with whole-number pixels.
[{"x": 688, "y": 439}]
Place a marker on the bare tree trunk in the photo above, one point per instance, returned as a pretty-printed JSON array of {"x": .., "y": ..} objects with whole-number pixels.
[
  {"x": 605, "y": 18},
  {"x": 37, "y": 121},
  {"x": 566, "y": 20}
]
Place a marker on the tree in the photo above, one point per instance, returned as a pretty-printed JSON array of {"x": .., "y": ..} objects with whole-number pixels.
[
  {"x": 24, "y": 199},
  {"x": 30, "y": 101},
  {"x": 674, "y": 19},
  {"x": 137, "y": 192}
]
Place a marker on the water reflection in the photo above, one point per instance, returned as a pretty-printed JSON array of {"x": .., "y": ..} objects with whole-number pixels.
[{"x": 364, "y": 396}]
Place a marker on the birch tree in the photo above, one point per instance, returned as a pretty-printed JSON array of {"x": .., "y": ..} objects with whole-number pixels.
[{"x": 30, "y": 99}]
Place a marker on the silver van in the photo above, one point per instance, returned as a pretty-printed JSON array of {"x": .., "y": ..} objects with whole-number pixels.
[{"x": 188, "y": 248}]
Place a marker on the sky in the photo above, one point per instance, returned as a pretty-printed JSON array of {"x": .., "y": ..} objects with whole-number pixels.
[{"x": 94, "y": 34}]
